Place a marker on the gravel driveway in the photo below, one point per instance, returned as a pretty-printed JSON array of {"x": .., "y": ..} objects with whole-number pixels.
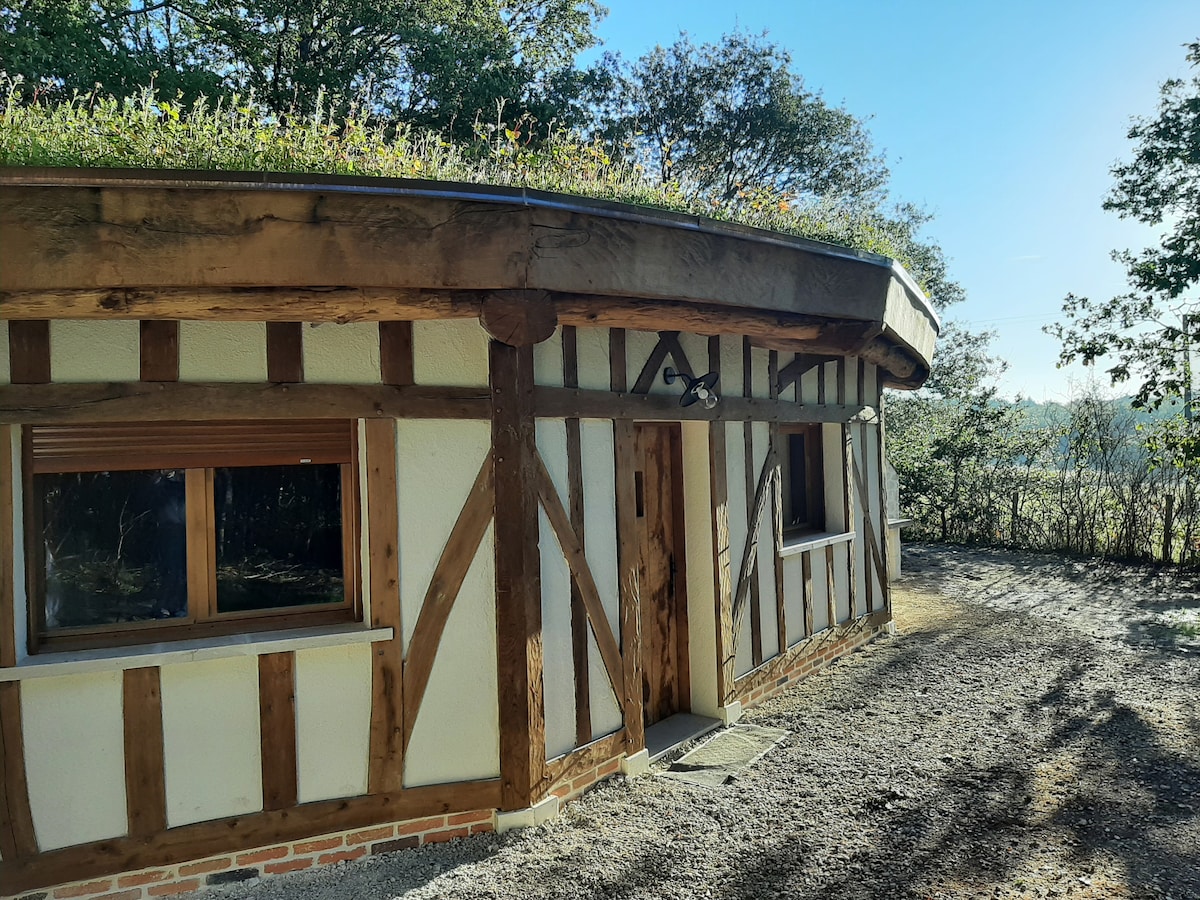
[{"x": 1032, "y": 730}]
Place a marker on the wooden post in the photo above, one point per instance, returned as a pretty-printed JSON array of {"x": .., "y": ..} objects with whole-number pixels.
[
  {"x": 629, "y": 586},
  {"x": 579, "y": 618},
  {"x": 722, "y": 564},
  {"x": 518, "y": 576},
  {"x": 1168, "y": 528}
]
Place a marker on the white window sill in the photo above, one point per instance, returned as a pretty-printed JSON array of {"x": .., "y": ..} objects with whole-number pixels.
[
  {"x": 112, "y": 659},
  {"x": 804, "y": 543}
]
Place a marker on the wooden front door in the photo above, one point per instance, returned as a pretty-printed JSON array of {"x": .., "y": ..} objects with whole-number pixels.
[{"x": 659, "y": 504}]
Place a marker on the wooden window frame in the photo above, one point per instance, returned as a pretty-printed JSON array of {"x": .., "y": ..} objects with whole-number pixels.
[
  {"x": 202, "y": 619},
  {"x": 816, "y": 514}
]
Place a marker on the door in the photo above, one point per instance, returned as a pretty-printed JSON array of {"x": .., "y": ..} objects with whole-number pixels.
[{"x": 658, "y": 483}]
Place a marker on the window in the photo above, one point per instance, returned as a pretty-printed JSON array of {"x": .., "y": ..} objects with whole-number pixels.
[
  {"x": 151, "y": 532},
  {"x": 803, "y": 480}
]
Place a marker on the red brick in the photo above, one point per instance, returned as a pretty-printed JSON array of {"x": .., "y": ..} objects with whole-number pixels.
[
  {"x": 143, "y": 878},
  {"x": 341, "y": 856},
  {"x": 371, "y": 834},
  {"x": 288, "y": 865},
  {"x": 205, "y": 866},
  {"x": 420, "y": 825},
  {"x": 134, "y": 894},
  {"x": 256, "y": 856},
  {"x": 80, "y": 890},
  {"x": 317, "y": 846},
  {"x": 179, "y": 887},
  {"x": 562, "y": 792},
  {"x": 582, "y": 781},
  {"x": 609, "y": 767},
  {"x": 406, "y": 843},
  {"x": 482, "y": 828},
  {"x": 465, "y": 818},
  {"x": 438, "y": 837}
]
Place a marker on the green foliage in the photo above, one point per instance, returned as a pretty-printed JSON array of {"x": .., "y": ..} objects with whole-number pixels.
[
  {"x": 721, "y": 119},
  {"x": 236, "y": 134},
  {"x": 1151, "y": 332}
]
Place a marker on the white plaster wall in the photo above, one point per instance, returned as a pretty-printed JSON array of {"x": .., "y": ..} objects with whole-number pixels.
[
  {"x": 695, "y": 348},
  {"x": 341, "y": 354},
  {"x": 557, "y": 657},
  {"x": 638, "y": 347},
  {"x": 548, "y": 360},
  {"x": 760, "y": 362},
  {"x": 211, "y": 739},
  {"x": 735, "y": 462},
  {"x": 94, "y": 350},
  {"x": 833, "y": 458},
  {"x": 333, "y": 721},
  {"x": 701, "y": 577},
  {"x": 731, "y": 366},
  {"x": 841, "y": 579},
  {"x": 223, "y": 351},
  {"x": 807, "y": 385},
  {"x": 851, "y": 381},
  {"x": 74, "y": 757},
  {"x": 5, "y": 374},
  {"x": 600, "y": 547},
  {"x": 591, "y": 345},
  {"x": 457, "y": 733},
  {"x": 820, "y": 577},
  {"x": 437, "y": 462},
  {"x": 793, "y": 597},
  {"x": 451, "y": 352},
  {"x": 766, "y": 551}
]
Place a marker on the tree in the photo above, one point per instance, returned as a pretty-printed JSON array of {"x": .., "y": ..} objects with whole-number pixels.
[
  {"x": 1151, "y": 332},
  {"x": 725, "y": 117}
]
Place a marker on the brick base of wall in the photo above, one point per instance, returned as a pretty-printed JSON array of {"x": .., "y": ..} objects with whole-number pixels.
[
  {"x": 581, "y": 783},
  {"x": 278, "y": 859}
]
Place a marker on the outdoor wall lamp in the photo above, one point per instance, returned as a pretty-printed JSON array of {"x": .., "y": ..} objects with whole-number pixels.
[{"x": 699, "y": 390}]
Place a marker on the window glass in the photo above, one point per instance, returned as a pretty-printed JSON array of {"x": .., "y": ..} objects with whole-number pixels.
[
  {"x": 796, "y": 506},
  {"x": 113, "y": 547},
  {"x": 278, "y": 537}
]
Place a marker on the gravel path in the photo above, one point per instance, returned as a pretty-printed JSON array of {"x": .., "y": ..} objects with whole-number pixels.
[{"x": 1032, "y": 730}]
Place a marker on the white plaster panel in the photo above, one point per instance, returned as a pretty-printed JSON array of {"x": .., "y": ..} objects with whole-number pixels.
[
  {"x": 223, "y": 351},
  {"x": 731, "y": 366},
  {"x": 211, "y": 740},
  {"x": 695, "y": 348},
  {"x": 841, "y": 579},
  {"x": 638, "y": 347},
  {"x": 760, "y": 372},
  {"x": 820, "y": 584},
  {"x": 558, "y": 668},
  {"x": 875, "y": 507},
  {"x": 860, "y": 513},
  {"x": 852, "y": 379},
  {"x": 558, "y": 659},
  {"x": 342, "y": 353},
  {"x": 457, "y": 733},
  {"x": 91, "y": 351},
  {"x": 437, "y": 463},
  {"x": 808, "y": 383},
  {"x": 5, "y": 374},
  {"x": 548, "y": 360},
  {"x": 793, "y": 595},
  {"x": 74, "y": 758},
  {"x": 871, "y": 384},
  {"x": 591, "y": 345},
  {"x": 735, "y": 459},
  {"x": 833, "y": 459},
  {"x": 701, "y": 586},
  {"x": 600, "y": 547},
  {"x": 333, "y": 721},
  {"x": 766, "y": 551},
  {"x": 451, "y": 352}
]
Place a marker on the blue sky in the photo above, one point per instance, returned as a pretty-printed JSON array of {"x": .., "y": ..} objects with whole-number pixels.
[{"x": 1002, "y": 119}]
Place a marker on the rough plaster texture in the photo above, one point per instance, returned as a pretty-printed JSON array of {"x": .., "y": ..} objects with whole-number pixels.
[
  {"x": 591, "y": 344},
  {"x": 457, "y": 732},
  {"x": 760, "y": 381},
  {"x": 695, "y": 348},
  {"x": 793, "y": 593},
  {"x": 223, "y": 351},
  {"x": 548, "y": 360},
  {"x": 735, "y": 461},
  {"x": 558, "y": 664},
  {"x": 731, "y": 366},
  {"x": 600, "y": 547},
  {"x": 211, "y": 739},
  {"x": 341, "y": 354},
  {"x": 701, "y": 587},
  {"x": 74, "y": 758},
  {"x": 452, "y": 352},
  {"x": 841, "y": 579},
  {"x": 333, "y": 721},
  {"x": 94, "y": 351}
]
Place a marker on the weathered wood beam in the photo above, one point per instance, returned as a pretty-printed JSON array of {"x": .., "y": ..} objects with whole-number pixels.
[
  {"x": 29, "y": 351},
  {"x": 145, "y": 774},
  {"x": 518, "y": 576},
  {"x": 800, "y": 364},
  {"x": 158, "y": 350},
  {"x": 568, "y": 403},
  {"x": 518, "y": 318},
  {"x": 396, "y": 353},
  {"x": 718, "y": 474},
  {"x": 17, "y": 838},
  {"x": 212, "y": 838},
  {"x": 629, "y": 585},
  {"x": 285, "y": 352},
  {"x": 579, "y": 623},
  {"x": 583, "y": 759},
  {"x": 131, "y": 401},
  {"x": 277, "y": 729},
  {"x": 750, "y": 552}
]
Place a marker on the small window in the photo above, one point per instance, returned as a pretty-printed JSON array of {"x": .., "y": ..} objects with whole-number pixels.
[
  {"x": 803, "y": 480},
  {"x": 151, "y": 532}
]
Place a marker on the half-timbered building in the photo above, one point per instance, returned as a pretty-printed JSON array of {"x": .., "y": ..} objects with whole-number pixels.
[{"x": 339, "y": 516}]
